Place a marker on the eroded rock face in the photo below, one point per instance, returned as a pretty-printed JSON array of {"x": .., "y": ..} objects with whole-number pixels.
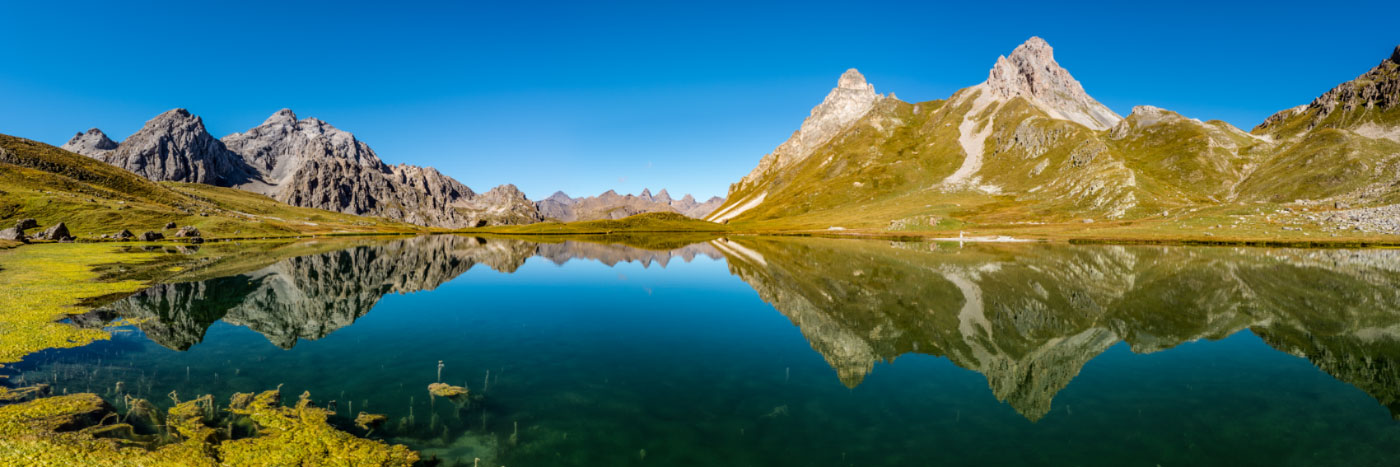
[
  {"x": 174, "y": 146},
  {"x": 849, "y": 101},
  {"x": 503, "y": 205},
  {"x": 1032, "y": 73},
  {"x": 306, "y": 163},
  {"x": 1376, "y": 90}
]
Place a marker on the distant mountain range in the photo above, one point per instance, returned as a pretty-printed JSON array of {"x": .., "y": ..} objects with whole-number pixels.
[
  {"x": 309, "y": 163},
  {"x": 1030, "y": 143},
  {"x": 611, "y": 205}
]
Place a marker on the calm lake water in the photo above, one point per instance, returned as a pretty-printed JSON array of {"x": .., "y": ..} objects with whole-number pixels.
[{"x": 772, "y": 351}]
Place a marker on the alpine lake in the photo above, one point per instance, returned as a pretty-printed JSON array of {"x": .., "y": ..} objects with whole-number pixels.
[{"x": 753, "y": 350}]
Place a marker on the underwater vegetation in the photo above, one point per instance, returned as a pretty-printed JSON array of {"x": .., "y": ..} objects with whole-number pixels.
[{"x": 254, "y": 429}]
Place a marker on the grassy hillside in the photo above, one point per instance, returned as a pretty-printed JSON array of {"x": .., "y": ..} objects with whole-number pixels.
[{"x": 92, "y": 198}]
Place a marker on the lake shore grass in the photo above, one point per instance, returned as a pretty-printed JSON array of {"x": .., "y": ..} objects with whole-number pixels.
[{"x": 42, "y": 284}]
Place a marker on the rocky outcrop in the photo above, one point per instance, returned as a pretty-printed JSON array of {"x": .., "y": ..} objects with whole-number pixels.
[
  {"x": 1031, "y": 72},
  {"x": 852, "y": 98},
  {"x": 174, "y": 146},
  {"x": 306, "y": 163},
  {"x": 93, "y": 143},
  {"x": 57, "y": 232},
  {"x": 1378, "y": 90},
  {"x": 611, "y": 205},
  {"x": 503, "y": 205}
]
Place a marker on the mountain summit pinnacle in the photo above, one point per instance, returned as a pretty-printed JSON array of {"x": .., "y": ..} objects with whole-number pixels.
[
  {"x": 853, "y": 80},
  {"x": 1032, "y": 73}
]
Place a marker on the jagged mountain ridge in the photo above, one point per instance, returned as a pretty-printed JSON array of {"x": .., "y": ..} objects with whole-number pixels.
[
  {"x": 306, "y": 163},
  {"x": 1031, "y": 143},
  {"x": 610, "y": 205}
]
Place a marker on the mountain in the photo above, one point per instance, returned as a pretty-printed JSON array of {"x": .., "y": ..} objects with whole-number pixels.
[
  {"x": 92, "y": 198},
  {"x": 611, "y": 205},
  {"x": 1029, "y": 144},
  {"x": 173, "y": 146},
  {"x": 306, "y": 163}
]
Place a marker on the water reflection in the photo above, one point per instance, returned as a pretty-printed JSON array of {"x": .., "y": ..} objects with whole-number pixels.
[
  {"x": 309, "y": 297},
  {"x": 1027, "y": 317}
]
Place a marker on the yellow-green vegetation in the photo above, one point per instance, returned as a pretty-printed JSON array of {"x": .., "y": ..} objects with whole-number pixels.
[
  {"x": 446, "y": 390},
  {"x": 41, "y": 284},
  {"x": 299, "y": 435},
  {"x": 651, "y": 222},
  {"x": 93, "y": 198},
  {"x": 64, "y": 431}
]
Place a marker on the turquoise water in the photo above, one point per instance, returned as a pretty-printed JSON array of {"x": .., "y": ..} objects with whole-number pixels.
[{"x": 757, "y": 351}]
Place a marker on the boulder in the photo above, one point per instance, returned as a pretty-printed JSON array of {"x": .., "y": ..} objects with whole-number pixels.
[
  {"x": 58, "y": 232},
  {"x": 170, "y": 225},
  {"x": 149, "y": 236},
  {"x": 24, "y": 224},
  {"x": 13, "y": 234},
  {"x": 187, "y": 231},
  {"x": 123, "y": 235},
  {"x": 196, "y": 240}
]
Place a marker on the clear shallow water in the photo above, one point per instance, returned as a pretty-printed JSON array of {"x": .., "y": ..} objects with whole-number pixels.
[{"x": 759, "y": 351}]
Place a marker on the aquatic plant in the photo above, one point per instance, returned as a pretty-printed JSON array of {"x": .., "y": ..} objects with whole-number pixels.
[
  {"x": 448, "y": 391},
  {"x": 65, "y": 430}
]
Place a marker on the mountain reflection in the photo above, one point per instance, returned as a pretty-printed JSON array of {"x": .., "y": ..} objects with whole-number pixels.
[
  {"x": 1026, "y": 316},
  {"x": 308, "y": 297},
  {"x": 1029, "y": 317}
]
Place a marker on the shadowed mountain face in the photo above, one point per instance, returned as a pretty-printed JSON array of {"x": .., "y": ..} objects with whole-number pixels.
[
  {"x": 1030, "y": 317},
  {"x": 309, "y": 297}
]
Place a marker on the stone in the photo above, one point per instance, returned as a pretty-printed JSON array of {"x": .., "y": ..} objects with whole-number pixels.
[
  {"x": 196, "y": 240},
  {"x": 13, "y": 234},
  {"x": 170, "y": 225},
  {"x": 56, "y": 232},
  {"x": 123, "y": 235},
  {"x": 187, "y": 231},
  {"x": 26, "y": 224},
  {"x": 149, "y": 236}
]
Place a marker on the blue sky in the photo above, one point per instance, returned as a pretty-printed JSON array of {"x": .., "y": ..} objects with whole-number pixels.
[{"x": 585, "y": 97}]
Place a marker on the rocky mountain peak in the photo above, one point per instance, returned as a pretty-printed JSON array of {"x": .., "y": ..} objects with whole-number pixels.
[
  {"x": 663, "y": 197},
  {"x": 1395, "y": 55},
  {"x": 282, "y": 117},
  {"x": 92, "y": 143},
  {"x": 1031, "y": 72},
  {"x": 646, "y": 194},
  {"x": 853, "y": 80},
  {"x": 852, "y": 98},
  {"x": 175, "y": 146}
]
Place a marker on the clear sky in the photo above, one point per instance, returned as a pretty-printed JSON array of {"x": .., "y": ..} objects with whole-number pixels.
[{"x": 584, "y": 97}]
